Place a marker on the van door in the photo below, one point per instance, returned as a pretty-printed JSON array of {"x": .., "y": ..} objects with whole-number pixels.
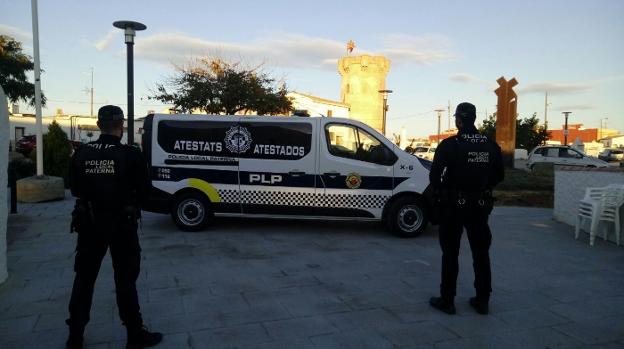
[
  {"x": 356, "y": 171},
  {"x": 277, "y": 171}
]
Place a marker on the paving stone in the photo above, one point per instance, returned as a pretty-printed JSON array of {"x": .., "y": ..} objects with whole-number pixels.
[
  {"x": 595, "y": 331},
  {"x": 299, "y": 327},
  {"x": 371, "y": 318},
  {"x": 415, "y": 333},
  {"x": 355, "y": 339},
  {"x": 230, "y": 337},
  {"x": 474, "y": 325},
  {"x": 339, "y": 285},
  {"x": 481, "y": 342},
  {"x": 530, "y": 318},
  {"x": 541, "y": 338}
]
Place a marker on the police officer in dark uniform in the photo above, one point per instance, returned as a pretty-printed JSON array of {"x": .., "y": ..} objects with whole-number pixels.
[
  {"x": 465, "y": 169},
  {"x": 110, "y": 181}
]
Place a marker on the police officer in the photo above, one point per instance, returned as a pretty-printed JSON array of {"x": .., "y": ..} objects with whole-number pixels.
[
  {"x": 109, "y": 181},
  {"x": 465, "y": 169}
]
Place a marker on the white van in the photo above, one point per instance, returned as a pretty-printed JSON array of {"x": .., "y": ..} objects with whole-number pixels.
[{"x": 281, "y": 167}]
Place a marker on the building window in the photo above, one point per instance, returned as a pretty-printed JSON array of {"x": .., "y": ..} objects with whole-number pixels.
[{"x": 19, "y": 132}]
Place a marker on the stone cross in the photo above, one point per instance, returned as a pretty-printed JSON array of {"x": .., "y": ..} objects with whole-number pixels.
[{"x": 506, "y": 119}]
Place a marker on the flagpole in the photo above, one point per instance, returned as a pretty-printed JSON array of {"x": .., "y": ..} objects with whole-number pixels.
[{"x": 38, "y": 128}]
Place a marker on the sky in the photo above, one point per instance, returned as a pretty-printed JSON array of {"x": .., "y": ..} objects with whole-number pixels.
[{"x": 440, "y": 51}]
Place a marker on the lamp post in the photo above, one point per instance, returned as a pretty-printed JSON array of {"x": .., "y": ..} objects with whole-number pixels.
[
  {"x": 565, "y": 128},
  {"x": 603, "y": 120},
  {"x": 130, "y": 28},
  {"x": 439, "y": 111},
  {"x": 384, "y": 93}
]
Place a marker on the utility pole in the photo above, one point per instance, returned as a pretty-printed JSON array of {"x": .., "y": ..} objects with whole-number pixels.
[
  {"x": 565, "y": 128},
  {"x": 546, "y": 111},
  {"x": 448, "y": 125},
  {"x": 439, "y": 117},
  {"x": 91, "y": 91},
  {"x": 603, "y": 120}
]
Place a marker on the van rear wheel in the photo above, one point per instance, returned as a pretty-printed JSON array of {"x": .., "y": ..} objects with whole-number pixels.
[
  {"x": 407, "y": 217},
  {"x": 191, "y": 211}
]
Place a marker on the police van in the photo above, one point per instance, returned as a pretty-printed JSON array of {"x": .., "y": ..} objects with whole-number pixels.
[{"x": 203, "y": 166}]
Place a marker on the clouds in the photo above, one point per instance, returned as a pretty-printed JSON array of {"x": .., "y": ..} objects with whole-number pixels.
[
  {"x": 285, "y": 49},
  {"x": 16, "y": 33},
  {"x": 555, "y": 88},
  {"x": 575, "y": 107},
  {"x": 103, "y": 43}
]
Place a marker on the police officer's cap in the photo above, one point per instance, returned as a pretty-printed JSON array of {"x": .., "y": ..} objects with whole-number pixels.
[
  {"x": 466, "y": 112},
  {"x": 110, "y": 113}
]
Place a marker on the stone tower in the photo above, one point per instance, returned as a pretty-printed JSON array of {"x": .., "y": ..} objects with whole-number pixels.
[{"x": 362, "y": 78}]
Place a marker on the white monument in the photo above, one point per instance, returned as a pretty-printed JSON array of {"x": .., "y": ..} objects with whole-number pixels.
[{"x": 4, "y": 162}]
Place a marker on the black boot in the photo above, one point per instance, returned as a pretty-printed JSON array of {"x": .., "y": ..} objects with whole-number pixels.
[
  {"x": 75, "y": 339},
  {"x": 480, "y": 306},
  {"x": 442, "y": 305},
  {"x": 142, "y": 338}
]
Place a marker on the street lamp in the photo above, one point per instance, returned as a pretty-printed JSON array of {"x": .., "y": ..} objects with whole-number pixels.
[
  {"x": 601, "y": 126},
  {"x": 439, "y": 111},
  {"x": 565, "y": 128},
  {"x": 130, "y": 28},
  {"x": 384, "y": 93}
]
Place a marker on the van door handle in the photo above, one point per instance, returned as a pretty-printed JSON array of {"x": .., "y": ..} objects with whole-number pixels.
[
  {"x": 332, "y": 174},
  {"x": 296, "y": 173}
]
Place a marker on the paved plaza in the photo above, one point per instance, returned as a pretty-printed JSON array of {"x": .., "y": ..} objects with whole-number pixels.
[{"x": 246, "y": 283}]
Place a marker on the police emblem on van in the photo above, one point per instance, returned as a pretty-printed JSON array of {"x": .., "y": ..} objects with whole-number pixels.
[
  {"x": 353, "y": 180},
  {"x": 237, "y": 139}
]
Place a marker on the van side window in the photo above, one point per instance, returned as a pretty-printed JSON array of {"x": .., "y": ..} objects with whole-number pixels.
[{"x": 354, "y": 143}]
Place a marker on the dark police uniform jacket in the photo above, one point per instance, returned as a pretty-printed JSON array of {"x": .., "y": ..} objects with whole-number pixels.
[
  {"x": 109, "y": 175},
  {"x": 466, "y": 164}
]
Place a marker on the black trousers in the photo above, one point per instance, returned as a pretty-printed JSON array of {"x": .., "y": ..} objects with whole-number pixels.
[
  {"x": 453, "y": 221},
  {"x": 114, "y": 232}
]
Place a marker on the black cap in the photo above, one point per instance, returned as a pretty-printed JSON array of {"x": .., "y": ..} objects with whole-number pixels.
[
  {"x": 110, "y": 113},
  {"x": 466, "y": 112}
]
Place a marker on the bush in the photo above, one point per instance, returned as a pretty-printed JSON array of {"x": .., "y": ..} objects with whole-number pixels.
[
  {"x": 21, "y": 168},
  {"x": 56, "y": 152}
]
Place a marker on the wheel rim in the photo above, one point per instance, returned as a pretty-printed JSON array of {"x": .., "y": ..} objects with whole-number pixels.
[
  {"x": 410, "y": 218},
  {"x": 191, "y": 212}
]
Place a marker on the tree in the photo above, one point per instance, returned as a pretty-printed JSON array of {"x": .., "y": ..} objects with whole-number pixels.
[
  {"x": 14, "y": 65},
  {"x": 218, "y": 87},
  {"x": 529, "y": 134},
  {"x": 56, "y": 152}
]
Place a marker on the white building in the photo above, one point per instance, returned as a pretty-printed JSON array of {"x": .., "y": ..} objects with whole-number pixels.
[
  {"x": 77, "y": 127},
  {"x": 316, "y": 106},
  {"x": 616, "y": 141}
]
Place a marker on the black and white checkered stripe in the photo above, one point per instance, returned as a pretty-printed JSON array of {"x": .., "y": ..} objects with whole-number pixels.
[{"x": 294, "y": 198}]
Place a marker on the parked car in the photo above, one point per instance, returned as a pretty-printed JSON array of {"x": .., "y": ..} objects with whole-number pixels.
[
  {"x": 25, "y": 144},
  {"x": 562, "y": 155},
  {"x": 609, "y": 155},
  {"x": 424, "y": 152},
  {"x": 28, "y": 143}
]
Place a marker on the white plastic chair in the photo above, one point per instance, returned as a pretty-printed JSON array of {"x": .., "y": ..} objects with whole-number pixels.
[
  {"x": 612, "y": 200},
  {"x": 601, "y": 204}
]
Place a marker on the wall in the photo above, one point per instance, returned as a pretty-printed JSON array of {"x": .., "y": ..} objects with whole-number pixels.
[
  {"x": 4, "y": 159},
  {"x": 84, "y": 122},
  {"x": 570, "y": 185}
]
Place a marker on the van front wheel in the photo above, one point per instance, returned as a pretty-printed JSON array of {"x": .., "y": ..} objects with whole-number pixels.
[
  {"x": 407, "y": 217},
  {"x": 191, "y": 211}
]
